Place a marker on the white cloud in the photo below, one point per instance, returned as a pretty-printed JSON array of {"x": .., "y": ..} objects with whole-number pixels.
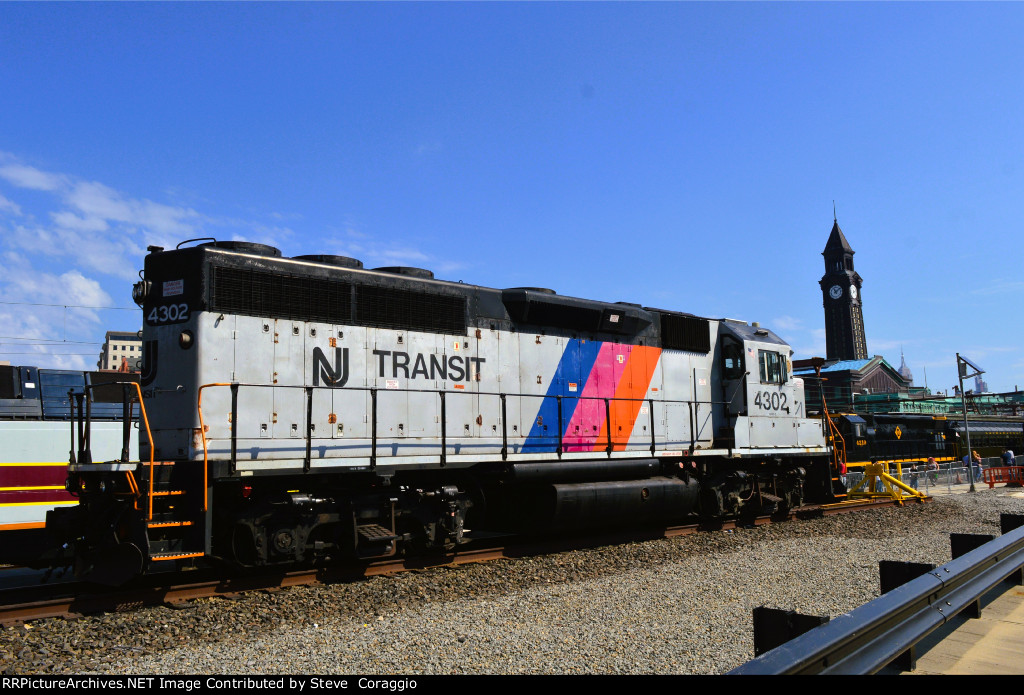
[
  {"x": 34, "y": 239},
  {"x": 9, "y": 205},
  {"x": 881, "y": 346},
  {"x": 448, "y": 267},
  {"x": 809, "y": 344},
  {"x": 429, "y": 147},
  {"x": 32, "y": 324},
  {"x": 360, "y": 245},
  {"x": 70, "y": 220},
  {"x": 1000, "y": 287},
  {"x": 83, "y": 291},
  {"x": 96, "y": 202},
  {"x": 786, "y": 323},
  {"x": 24, "y": 176},
  {"x": 21, "y": 282},
  {"x": 91, "y": 224},
  {"x": 111, "y": 254},
  {"x": 262, "y": 234},
  {"x": 406, "y": 255},
  {"x": 81, "y": 242}
]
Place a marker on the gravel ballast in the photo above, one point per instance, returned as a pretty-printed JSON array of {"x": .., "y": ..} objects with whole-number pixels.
[{"x": 674, "y": 606}]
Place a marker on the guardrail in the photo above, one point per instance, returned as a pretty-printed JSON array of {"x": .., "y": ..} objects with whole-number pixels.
[
  {"x": 870, "y": 637},
  {"x": 611, "y": 442}
]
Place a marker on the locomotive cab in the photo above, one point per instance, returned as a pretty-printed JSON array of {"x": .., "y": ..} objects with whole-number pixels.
[{"x": 763, "y": 401}]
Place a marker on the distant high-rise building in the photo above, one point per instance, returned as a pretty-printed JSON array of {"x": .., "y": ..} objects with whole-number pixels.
[
  {"x": 121, "y": 347},
  {"x": 840, "y": 291},
  {"x": 979, "y": 385}
]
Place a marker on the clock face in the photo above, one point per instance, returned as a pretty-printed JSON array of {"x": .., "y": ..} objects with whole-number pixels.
[
  {"x": 835, "y": 292},
  {"x": 853, "y": 292}
]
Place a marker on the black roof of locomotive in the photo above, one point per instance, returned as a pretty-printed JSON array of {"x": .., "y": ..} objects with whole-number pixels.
[{"x": 521, "y": 307}]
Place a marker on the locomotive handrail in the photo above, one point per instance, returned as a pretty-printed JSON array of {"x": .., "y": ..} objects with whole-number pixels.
[
  {"x": 460, "y": 392},
  {"x": 307, "y": 462},
  {"x": 442, "y": 393},
  {"x": 84, "y": 435},
  {"x": 202, "y": 435},
  {"x": 870, "y": 637},
  {"x": 839, "y": 453}
]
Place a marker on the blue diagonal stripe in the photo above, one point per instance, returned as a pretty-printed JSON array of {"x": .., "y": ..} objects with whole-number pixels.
[{"x": 577, "y": 361}]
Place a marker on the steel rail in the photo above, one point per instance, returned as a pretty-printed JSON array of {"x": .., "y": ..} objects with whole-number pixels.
[
  {"x": 870, "y": 637},
  {"x": 35, "y": 602}
]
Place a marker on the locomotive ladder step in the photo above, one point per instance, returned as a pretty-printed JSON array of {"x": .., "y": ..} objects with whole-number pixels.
[
  {"x": 166, "y": 493},
  {"x": 376, "y": 533},
  {"x": 837, "y": 495},
  {"x": 156, "y": 557},
  {"x": 169, "y": 524},
  {"x": 770, "y": 498}
]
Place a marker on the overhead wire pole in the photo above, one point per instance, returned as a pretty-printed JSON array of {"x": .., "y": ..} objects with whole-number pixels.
[{"x": 961, "y": 369}]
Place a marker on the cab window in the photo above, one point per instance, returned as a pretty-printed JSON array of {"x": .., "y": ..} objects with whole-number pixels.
[
  {"x": 773, "y": 367},
  {"x": 732, "y": 360}
]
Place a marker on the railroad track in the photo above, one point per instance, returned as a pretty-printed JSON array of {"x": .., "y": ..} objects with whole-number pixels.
[{"x": 76, "y": 599}]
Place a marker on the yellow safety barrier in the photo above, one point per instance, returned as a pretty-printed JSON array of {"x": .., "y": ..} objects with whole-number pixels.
[{"x": 895, "y": 488}]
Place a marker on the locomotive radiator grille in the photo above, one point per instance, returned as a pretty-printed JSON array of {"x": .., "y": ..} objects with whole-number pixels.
[
  {"x": 685, "y": 333},
  {"x": 389, "y": 307},
  {"x": 259, "y": 293}
]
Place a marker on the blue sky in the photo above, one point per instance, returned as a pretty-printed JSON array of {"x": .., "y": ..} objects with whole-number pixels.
[{"x": 678, "y": 155}]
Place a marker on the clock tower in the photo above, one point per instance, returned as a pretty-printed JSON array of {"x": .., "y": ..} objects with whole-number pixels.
[{"x": 840, "y": 291}]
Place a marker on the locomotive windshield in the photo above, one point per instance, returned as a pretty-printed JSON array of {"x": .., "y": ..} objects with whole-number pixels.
[{"x": 773, "y": 367}]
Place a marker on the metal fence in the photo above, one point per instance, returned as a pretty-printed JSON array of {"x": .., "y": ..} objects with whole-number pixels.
[{"x": 948, "y": 477}]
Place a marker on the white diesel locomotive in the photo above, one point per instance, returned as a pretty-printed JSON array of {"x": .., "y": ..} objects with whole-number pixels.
[{"x": 301, "y": 410}]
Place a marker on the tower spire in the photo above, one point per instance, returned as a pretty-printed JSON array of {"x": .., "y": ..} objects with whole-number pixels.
[{"x": 840, "y": 286}]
